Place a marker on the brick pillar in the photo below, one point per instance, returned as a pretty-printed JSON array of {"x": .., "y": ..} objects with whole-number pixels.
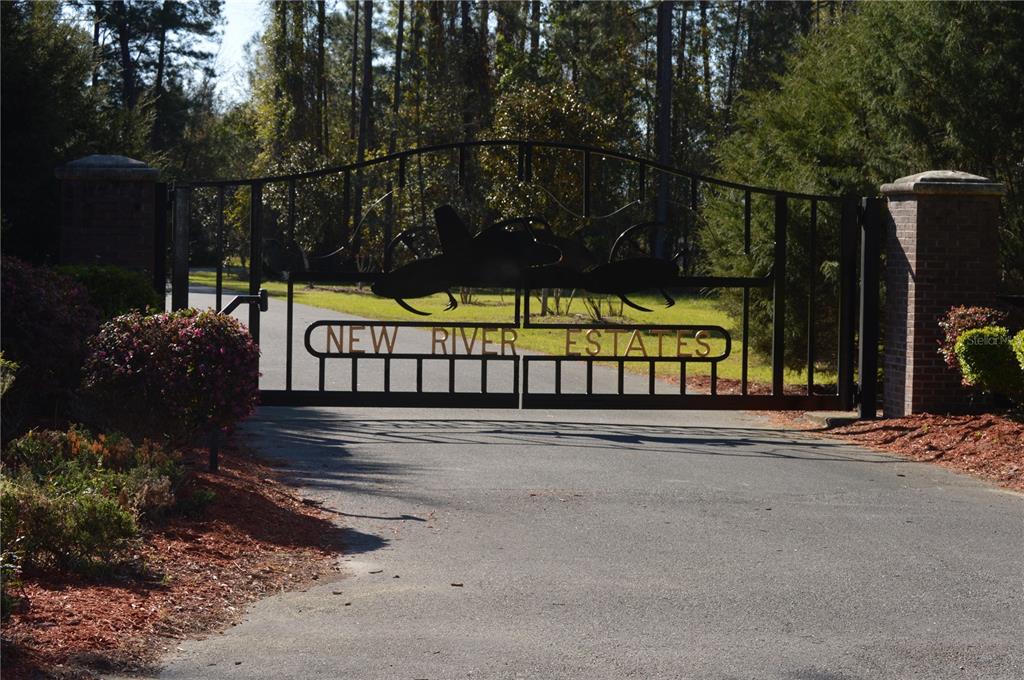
[
  {"x": 108, "y": 212},
  {"x": 941, "y": 250}
]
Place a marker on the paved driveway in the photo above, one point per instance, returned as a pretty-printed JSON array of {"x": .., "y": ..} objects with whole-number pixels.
[{"x": 510, "y": 544}]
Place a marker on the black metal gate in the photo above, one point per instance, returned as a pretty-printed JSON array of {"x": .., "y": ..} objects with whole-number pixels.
[{"x": 517, "y": 257}]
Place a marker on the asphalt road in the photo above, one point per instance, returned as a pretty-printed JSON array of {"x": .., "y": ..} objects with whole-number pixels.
[{"x": 628, "y": 545}]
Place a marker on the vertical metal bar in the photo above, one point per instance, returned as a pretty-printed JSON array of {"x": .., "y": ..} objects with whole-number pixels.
[
  {"x": 401, "y": 172},
  {"x": 746, "y": 222},
  {"x": 871, "y": 252},
  {"x": 292, "y": 246},
  {"x": 642, "y": 182},
  {"x": 590, "y": 376},
  {"x": 847, "y": 299},
  {"x": 462, "y": 166},
  {"x": 387, "y": 374},
  {"x": 179, "y": 268},
  {"x": 812, "y": 266},
  {"x": 526, "y": 376},
  {"x": 220, "y": 247},
  {"x": 322, "y": 373},
  {"x": 451, "y": 376},
  {"x": 622, "y": 377},
  {"x": 517, "y": 308},
  {"x": 160, "y": 206},
  {"x": 355, "y": 374},
  {"x": 682, "y": 377},
  {"x": 483, "y": 376},
  {"x": 650, "y": 377},
  {"x": 346, "y": 209},
  {"x": 779, "y": 297},
  {"x": 746, "y": 341},
  {"x": 586, "y": 184},
  {"x": 288, "y": 335},
  {"x": 558, "y": 376},
  {"x": 515, "y": 377},
  {"x": 255, "y": 255},
  {"x": 419, "y": 376},
  {"x": 714, "y": 378}
]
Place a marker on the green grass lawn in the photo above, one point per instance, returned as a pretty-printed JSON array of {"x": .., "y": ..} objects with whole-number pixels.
[{"x": 495, "y": 307}]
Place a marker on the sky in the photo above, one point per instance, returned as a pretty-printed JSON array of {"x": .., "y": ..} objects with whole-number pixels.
[{"x": 242, "y": 20}]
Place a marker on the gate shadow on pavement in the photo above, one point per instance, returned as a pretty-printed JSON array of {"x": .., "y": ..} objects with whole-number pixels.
[{"x": 319, "y": 453}]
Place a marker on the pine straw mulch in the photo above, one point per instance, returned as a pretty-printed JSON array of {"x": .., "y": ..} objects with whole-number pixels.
[
  {"x": 188, "y": 576},
  {"x": 989, "y": 446}
]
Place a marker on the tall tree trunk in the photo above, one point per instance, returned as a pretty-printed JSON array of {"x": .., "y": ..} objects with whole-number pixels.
[
  {"x": 396, "y": 103},
  {"x": 321, "y": 76},
  {"x": 97, "y": 20},
  {"x": 663, "y": 124},
  {"x": 365, "y": 122},
  {"x": 280, "y": 67},
  {"x": 466, "y": 38},
  {"x": 535, "y": 36},
  {"x": 733, "y": 61},
  {"x": 681, "y": 126},
  {"x": 355, "y": 68},
  {"x": 129, "y": 94},
  {"x": 705, "y": 49}
]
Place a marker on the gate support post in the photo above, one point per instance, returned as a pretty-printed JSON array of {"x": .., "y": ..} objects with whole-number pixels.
[
  {"x": 847, "y": 300},
  {"x": 941, "y": 235},
  {"x": 179, "y": 267},
  {"x": 870, "y": 254}
]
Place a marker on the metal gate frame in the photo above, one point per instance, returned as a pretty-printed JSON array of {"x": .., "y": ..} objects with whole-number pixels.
[{"x": 859, "y": 261}]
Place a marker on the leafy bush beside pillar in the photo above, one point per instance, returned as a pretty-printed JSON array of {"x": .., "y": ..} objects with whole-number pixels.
[
  {"x": 174, "y": 375},
  {"x": 987, "y": 361}
]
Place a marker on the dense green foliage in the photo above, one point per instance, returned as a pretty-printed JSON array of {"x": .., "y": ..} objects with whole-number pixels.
[
  {"x": 1018, "y": 348},
  {"x": 45, "y": 320},
  {"x": 987, "y": 361},
  {"x": 114, "y": 290},
  {"x": 890, "y": 90}
]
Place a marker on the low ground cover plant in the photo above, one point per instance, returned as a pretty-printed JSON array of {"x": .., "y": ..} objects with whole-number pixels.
[{"x": 71, "y": 500}]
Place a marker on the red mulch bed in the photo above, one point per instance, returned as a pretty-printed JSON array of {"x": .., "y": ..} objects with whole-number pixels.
[
  {"x": 189, "y": 576},
  {"x": 989, "y": 446}
]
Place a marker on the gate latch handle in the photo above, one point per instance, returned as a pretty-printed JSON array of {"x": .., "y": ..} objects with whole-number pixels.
[{"x": 261, "y": 299}]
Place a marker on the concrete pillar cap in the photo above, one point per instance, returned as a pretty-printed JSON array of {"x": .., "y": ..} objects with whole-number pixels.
[
  {"x": 99, "y": 166},
  {"x": 947, "y": 182}
]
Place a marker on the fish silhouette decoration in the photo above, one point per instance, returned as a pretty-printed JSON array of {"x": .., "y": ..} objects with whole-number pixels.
[
  {"x": 531, "y": 256},
  {"x": 496, "y": 257}
]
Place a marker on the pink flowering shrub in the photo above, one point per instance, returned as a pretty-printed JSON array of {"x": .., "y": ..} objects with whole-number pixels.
[
  {"x": 960, "y": 319},
  {"x": 176, "y": 375}
]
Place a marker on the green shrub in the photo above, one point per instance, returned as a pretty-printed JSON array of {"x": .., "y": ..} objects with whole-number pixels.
[
  {"x": 47, "y": 526},
  {"x": 960, "y": 319},
  {"x": 8, "y": 370},
  {"x": 1018, "y": 348},
  {"x": 10, "y": 570},
  {"x": 114, "y": 290},
  {"x": 987, "y": 361}
]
